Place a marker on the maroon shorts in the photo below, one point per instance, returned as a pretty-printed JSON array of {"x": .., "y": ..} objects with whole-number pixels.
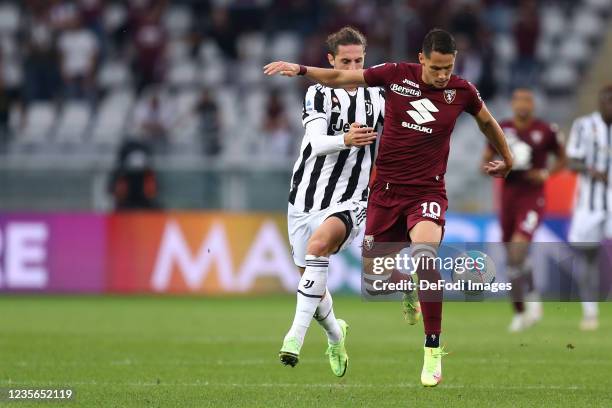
[
  {"x": 521, "y": 211},
  {"x": 394, "y": 209}
]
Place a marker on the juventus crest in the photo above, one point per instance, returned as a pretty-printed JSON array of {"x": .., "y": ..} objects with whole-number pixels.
[{"x": 449, "y": 95}]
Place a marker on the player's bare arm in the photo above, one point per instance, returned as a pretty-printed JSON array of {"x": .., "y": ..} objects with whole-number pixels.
[
  {"x": 334, "y": 78},
  {"x": 541, "y": 175},
  {"x": 494, "y": 133}
]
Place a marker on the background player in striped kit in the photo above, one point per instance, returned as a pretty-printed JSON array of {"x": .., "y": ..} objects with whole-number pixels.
[
  {"x": 329, "y": 189},
  {"x": 589, "y": 149}
]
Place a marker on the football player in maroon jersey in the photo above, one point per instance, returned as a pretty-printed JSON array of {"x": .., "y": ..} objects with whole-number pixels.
[
  {"x": 531, "y": 140},
  {"x": 408, "y": 199}
]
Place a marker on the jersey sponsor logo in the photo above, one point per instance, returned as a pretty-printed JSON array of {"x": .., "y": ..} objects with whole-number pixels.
[
  {"x": 449, "y": 95},
  {"x": 409, "y": 82},
  {"x": 340, "y": 126},
  {"x": 405, "y": 91},
  {"x": 417, "y": 127},
  {"x": 422, "y": 112}
]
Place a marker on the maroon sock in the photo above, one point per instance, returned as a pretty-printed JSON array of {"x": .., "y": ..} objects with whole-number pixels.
[{"x": 431, "y": 302}]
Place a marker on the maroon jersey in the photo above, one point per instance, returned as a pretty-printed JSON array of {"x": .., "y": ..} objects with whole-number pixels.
[
  {"x": 419, "y": 120},
  {"x": 531, "y": 147}
]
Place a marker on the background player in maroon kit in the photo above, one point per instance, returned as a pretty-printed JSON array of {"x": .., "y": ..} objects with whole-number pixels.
[
  {"x": 408, "y": 199},
  {"x": 522, "y": 198}
]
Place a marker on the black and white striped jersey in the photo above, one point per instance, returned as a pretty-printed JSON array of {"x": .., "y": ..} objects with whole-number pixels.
[
  {"x": 334, "y": 173},
  {"x": 591, "y": 140}
]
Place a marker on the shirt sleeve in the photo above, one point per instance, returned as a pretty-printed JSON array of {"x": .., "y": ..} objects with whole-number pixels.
[
  {"x": 314, "y": 105},
  {"x": 321, "y": 142},
  {"x": 380, "y": 75},
  {"x": 576, "y": 144},
  {"x": 474, "y": 103}
]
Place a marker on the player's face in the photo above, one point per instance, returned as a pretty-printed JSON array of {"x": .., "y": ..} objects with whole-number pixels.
[
  {"x": 605, "y": 105},
  {"x": 437, "y": 68},
  {"x": 349, "y": 57},
  {"x": 523, "y": 104}
]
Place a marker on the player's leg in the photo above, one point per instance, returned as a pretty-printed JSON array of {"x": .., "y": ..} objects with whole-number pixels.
[
  {"x": 385, "y": 235},
  {"x": 522, "y": 219},
  {"x": 425, "y": 237},
  {"x": 588, "y": 279},
  {"x": 313, "y": 298},
  {"x": 585, "y": 232}
]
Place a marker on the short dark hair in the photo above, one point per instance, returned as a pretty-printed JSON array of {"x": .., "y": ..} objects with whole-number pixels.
[
  {"x": 440, "y": 41},
  {"x": 345, "y": 36}
]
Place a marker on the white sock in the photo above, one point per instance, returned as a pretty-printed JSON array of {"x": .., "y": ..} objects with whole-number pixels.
[
  {"x": 590, "y": 309},
  {"x": 309, "y": 294},
  {"x": 326, "y": 318}
]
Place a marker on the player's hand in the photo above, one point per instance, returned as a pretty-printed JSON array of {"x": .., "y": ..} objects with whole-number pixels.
[
  {"x": 598, "y": 176},
  {"x": 283, "y": 68},
  {"x": 497, "y": 168},
  {"x": 359, "y": 136},
  {"x": 537, "y": 176}
]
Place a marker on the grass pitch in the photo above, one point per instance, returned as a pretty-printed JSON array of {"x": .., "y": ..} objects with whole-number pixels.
[{"x": 222, "y": 352}]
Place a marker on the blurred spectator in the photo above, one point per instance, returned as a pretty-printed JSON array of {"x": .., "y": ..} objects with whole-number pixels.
[
  {"x": 9, "y": 97},
  {"x": 150, "y": 41},
  {"x": 133, "y": 182},
  {"x": 526, "y": 33},
  {"x": 78, "y": 49},
  {"x": 62, "y": 14},
  {"x": 301, "y": 16},
  {"x": 40, "y": 62},
  {"x": 209, "y": 123},
  {"x": 277, "y": 132},
  {"x": 468, "y": 64},
  {"x": 91, "y": 12},
  {"x": 466, "y": 20},
  {"x": 223, "y": 32},
  {"x": 153, "y": 118}
]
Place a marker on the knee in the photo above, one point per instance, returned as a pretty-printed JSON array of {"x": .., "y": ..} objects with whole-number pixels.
[{"x": 318, "y": 247}]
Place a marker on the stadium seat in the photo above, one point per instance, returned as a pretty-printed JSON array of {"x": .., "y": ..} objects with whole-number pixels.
[
  {"x": 40, "y": 119},
  {"x": 588, "y": 24},
  {"x": 209, "y": 52},
  {"x": 184, "y": 132},
  {"x": 254, "y": 106},
  {"x": 109, "y": 124},
  {"x": 505, "y": 48},
  {"x": 72, "y": 123},
  {"x": 177, "y": 21},
  {"x": 229, "y": 107},
  {"x": 285, "y": 46},
  {"x": 252, "y": 47},
  {"x": 213, "y": 74},
  {"x": 114, "y": 74},
  {"x": 183, "y": 73},
  {"x": 8, "y": 47},
  {"x": 560, "y": 77},
  {"x": 553, "y": 21},
  {"x": 9, "y": 19},
  {"x": 178, "y": 50},
  {"x": 115, "y": 15},
  {"x": 599, "y": 5},
  {"x": 250, "y": 73},
  {"x": 574, "y": 49}
]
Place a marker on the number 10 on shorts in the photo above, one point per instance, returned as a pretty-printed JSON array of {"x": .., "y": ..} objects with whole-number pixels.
[{"x": 431, "y": 209}]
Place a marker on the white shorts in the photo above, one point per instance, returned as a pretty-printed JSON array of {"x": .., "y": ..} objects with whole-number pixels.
[
  {"x": 302, "y": 225},
  {"x": 587, "y": 226}
]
